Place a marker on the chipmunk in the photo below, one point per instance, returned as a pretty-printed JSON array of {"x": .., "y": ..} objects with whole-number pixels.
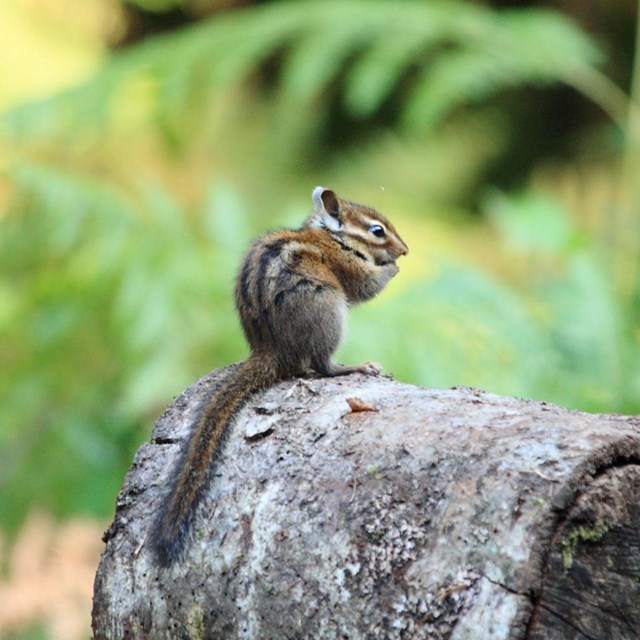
[{"x": 292, "y": 294}]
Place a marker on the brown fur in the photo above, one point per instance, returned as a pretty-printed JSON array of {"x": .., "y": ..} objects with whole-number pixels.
[{"x": 292, "y": 294}]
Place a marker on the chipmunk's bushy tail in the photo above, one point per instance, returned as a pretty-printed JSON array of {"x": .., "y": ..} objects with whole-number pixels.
[{"x": 190, "y": 480}]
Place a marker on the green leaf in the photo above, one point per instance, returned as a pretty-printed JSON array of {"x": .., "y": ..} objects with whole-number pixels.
[
  {"x": 531, "y": 222},
  {"x": 316, "y": 60},
  {"x": 462, "y": 53},
  {"x": 377, "y": 71},
  {"x": 226, "y": 219}
]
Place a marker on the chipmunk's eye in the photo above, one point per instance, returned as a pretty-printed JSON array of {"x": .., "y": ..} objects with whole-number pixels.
[{"x": 377, "y": 231}]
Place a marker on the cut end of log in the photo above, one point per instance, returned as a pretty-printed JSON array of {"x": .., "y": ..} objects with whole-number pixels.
[{"x": 592, "y": 570}]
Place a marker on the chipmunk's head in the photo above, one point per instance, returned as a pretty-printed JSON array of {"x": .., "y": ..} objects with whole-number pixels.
[{"x": 360, "y": 227}]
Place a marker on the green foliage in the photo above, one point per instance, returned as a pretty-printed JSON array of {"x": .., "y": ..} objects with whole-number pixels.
[
  {"x": 108, "y": 313},
  {"x": 430, "y": 56},
  {"x": 35, "y": 633}
]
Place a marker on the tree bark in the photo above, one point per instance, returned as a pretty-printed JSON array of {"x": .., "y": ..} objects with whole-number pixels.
[{"x": 365, "y": 508}]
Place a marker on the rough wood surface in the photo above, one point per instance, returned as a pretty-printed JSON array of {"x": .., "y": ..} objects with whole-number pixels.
[{"x": 365, "y": 508}]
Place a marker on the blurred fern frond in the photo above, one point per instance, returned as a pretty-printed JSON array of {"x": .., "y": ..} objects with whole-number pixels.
[
  {"x": 96, "y": 288},
  {"x": 427, "y": 57}
]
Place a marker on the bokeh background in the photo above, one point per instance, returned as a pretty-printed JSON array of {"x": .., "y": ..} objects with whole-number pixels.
[{"x": 144, "y": 143}]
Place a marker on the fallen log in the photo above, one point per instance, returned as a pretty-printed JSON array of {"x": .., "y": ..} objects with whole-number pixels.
[{"x": 366, "y": 508}]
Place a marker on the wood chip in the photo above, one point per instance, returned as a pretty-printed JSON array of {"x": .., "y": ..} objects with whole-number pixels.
[{"x": 357, "y": 405}]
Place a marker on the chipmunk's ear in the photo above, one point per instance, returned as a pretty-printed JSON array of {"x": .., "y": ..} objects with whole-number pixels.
[
  {"x": 326, "y": 200},
  {"x": 327, "y": 209}
]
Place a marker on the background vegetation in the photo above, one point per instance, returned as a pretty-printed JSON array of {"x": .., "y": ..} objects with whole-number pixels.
[{"x": 143, "y": 143}]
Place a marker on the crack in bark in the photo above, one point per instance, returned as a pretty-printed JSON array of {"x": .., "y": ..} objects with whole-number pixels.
[
  {"x": 553, "y": 612},
  {"x": 507, "y": 587}
]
